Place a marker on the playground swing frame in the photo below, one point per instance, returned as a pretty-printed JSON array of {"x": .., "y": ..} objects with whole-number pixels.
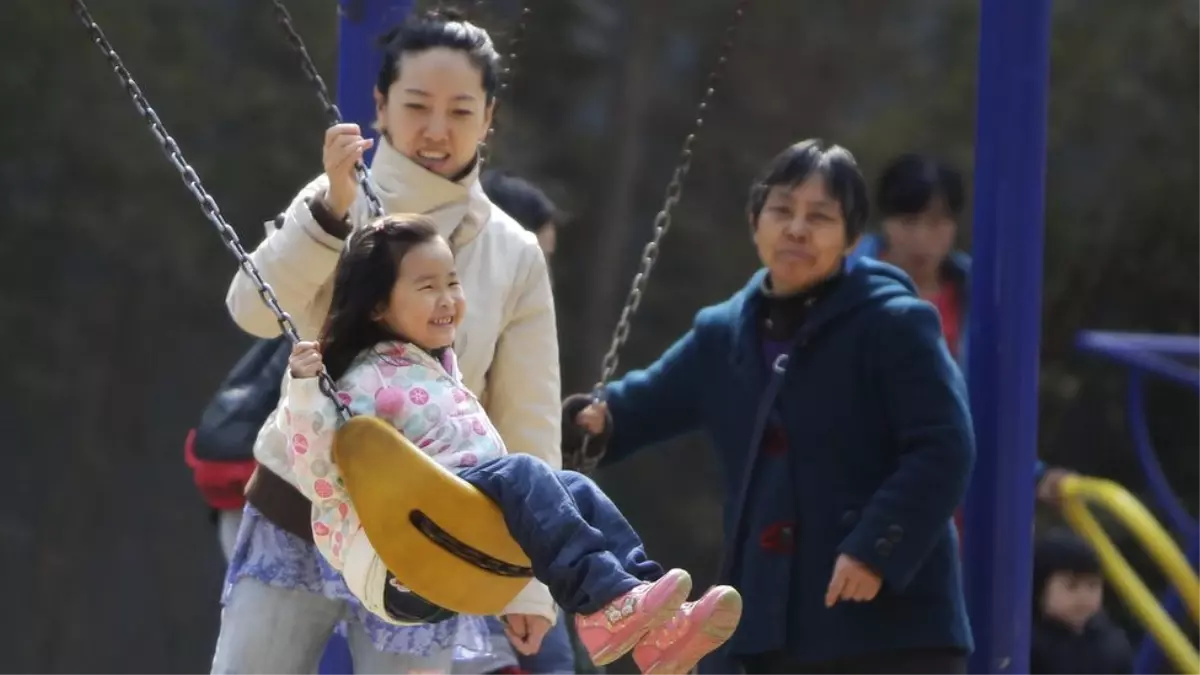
[{"x": 1157, "y": 355}]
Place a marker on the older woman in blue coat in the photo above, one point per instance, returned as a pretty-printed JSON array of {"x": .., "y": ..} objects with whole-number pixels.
[{"x": 841, "y": 424}]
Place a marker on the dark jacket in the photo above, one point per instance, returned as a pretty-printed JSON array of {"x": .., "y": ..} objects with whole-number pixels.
[
  {"x": 957, "y": 270},
  {"x": 866, "y": 450},
  {"x": 1102, "y": 648}
]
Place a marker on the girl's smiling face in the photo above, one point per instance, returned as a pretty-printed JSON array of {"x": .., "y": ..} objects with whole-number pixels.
[{"x": 426, "y": 304}]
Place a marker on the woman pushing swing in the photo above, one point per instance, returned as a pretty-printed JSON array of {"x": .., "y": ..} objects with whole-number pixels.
[
  {"x": 435, "y": 94},
  {"x": 395, "y": 309}
]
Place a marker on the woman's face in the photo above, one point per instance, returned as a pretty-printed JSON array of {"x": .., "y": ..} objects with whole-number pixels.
[
  {"x": 919, "y": 243},
  {"x": 801, "y": 235},
  {"x": 436, "y": 112}
]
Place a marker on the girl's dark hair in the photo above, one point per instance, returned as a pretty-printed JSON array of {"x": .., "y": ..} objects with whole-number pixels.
[
  {"x": 911, "y": 182},
  {"x": 439, "y": 28},
  {"x": 1060, "y": 550},
  {"x": 362, "y": 286},
  {"x": 520, "y": 199},
  {"x": 795, "y": 164}
]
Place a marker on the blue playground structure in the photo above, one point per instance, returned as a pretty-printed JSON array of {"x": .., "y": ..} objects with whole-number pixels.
[
  {"x": 1162, "y": 356},
  {"x": 1005, "y": 327}
]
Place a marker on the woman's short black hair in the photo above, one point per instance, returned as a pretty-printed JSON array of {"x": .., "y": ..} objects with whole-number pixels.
[
  {"x": 441, "y": 27},
  {"x": 911, "y": 182},
  {"x": 796, "y": 163},
  {"x": 520, "y": 199}
]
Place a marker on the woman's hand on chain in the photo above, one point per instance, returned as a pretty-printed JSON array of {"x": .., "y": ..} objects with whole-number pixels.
[{"x": 344, "y": 146}]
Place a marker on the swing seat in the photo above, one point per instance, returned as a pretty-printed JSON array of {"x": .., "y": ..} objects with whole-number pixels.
[{"x": 437, "y": 534}]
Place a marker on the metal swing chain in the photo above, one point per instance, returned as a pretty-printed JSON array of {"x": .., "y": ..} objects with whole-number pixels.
[
  {"x": 332, "y": 113},
  {"x": 584, "y": 460},
  {"x": 506, "y": 75},
  {"x": 207, "y": 203}
]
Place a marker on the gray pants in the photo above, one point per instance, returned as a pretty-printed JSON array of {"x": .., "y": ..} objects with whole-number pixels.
[{"x": 278, "y": 630}]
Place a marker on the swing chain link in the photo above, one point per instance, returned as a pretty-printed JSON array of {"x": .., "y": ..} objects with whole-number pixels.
[
  {"x": 192, "y": 180},
  {"x": 332, "y": 113},
  {"x": 506, "y": 75},
  {"x": 584, "y": 460}
]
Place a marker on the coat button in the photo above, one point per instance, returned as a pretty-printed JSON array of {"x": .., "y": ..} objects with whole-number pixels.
[
  {"x": 774, "y": 442},
  {"x": 895, "y": 533},
  {"x": 883, "y": 547},
  {"x": 778, "y": 538},
  {"x": 849, "y": 518}
]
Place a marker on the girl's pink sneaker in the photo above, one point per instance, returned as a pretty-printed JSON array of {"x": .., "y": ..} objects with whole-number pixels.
[
  {"x": 692, "y": 633},
  {"x": 611, "y": 632}
]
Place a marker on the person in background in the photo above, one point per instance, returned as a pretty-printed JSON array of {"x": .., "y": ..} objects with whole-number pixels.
[
  {"x": 1071, "y": 631},
  {"x": 221, "y": 485},
  {"x": 920, "y": 200},
  {"x": 527, "y": 205}
]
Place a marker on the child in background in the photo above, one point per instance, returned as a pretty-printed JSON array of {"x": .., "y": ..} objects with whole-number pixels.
[
  {"x": 392, "y": 322},
  {"x": 1071, "y": 631}
]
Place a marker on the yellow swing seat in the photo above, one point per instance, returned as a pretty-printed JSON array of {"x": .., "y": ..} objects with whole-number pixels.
[{"x": 437, "y": 534}]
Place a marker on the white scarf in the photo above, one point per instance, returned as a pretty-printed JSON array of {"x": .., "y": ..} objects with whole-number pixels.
[{"x": 458, "y": 209}]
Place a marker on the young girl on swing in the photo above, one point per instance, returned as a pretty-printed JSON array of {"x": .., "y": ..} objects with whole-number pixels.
[{"x": 396, "y": 303}]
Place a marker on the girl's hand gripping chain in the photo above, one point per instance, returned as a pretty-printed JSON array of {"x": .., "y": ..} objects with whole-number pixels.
[{"x": 305, "y": 360}]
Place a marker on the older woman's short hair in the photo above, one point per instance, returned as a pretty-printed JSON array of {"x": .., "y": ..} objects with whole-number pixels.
[{"x": 796, "y": 163}]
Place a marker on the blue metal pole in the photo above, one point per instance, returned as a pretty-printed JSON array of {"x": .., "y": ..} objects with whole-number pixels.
[
  {"x": 360, "y": 24},
  {"x": 1005, "y": 327}
]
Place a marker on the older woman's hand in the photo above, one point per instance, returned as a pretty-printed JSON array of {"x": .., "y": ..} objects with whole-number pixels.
[
  {"x": 852, "y": 581},
  {"x": 593, "y": 418}
]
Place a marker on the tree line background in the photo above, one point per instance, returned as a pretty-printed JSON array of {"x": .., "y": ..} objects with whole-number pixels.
[{"x": 115, "y": 332}]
